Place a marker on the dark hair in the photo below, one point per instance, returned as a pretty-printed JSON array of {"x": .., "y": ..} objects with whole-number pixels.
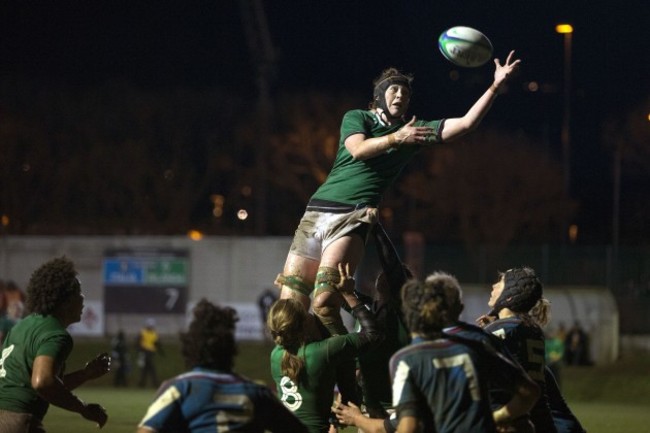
[
  {"x": 210, "y": 339},
  {"x": 380, "y": 84},
  {"x": 52, "y": 284},
  {"x": 431, "y": 305}
]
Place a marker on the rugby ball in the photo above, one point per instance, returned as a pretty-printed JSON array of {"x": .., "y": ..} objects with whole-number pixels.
[{"x": 465, "y": 46}]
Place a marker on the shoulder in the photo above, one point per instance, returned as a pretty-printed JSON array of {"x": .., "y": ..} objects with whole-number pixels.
[
  {"x": 508, "y": 323},
  {"x": 356, "y": 118},
  {"x": 358, "y": 113},
  {"x": 42, "y": 328}
]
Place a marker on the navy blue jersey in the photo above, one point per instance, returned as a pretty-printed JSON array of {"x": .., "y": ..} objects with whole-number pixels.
[
  {"x": 443, "y": 383},
  {"x": 565, "y": 421},
  {"x": 525, "y": 341},
  {"x": 207, "y": 401}
]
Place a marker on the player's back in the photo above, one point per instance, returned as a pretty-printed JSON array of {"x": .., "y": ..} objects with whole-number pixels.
[
  {"x": 525, "y": 341},
  {"x": 445, "y": 374}
]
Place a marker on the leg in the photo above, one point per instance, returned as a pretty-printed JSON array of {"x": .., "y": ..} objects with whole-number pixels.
[
  {"x": 327, "y": 302},
  {"x": 297, "y": 280}
]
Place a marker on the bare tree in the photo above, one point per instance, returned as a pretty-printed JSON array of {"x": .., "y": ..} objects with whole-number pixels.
[{"x": 491, "y": 188}]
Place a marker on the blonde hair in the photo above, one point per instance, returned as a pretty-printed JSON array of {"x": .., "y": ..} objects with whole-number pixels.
[
  {"x": 286, "y": 321},
  {"x": 541, "y": 312}
]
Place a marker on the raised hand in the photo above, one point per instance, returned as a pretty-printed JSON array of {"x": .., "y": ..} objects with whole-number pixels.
[{"x": 503, "y": 72}]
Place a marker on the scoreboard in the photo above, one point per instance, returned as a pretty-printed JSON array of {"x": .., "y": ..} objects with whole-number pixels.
[{"x": 151, "y": 281}]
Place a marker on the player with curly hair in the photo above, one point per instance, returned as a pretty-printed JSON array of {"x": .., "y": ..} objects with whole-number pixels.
[
  {"x": 36, "y": 349},
  {"x": 440, "y": 382},
  {"x": 210, "y": 397}
]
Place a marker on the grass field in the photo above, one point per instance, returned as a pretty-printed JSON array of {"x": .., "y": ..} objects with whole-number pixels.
[{"x": 609, "y": 399}]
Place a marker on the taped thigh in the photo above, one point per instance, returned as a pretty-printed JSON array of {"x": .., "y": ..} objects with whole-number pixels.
[
  {"x": 326, "y": 280},
  {"x": 293, "y": 282}
]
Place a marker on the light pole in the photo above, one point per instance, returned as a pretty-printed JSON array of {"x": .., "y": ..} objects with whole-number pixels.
[{"x": 567, "y": 31}]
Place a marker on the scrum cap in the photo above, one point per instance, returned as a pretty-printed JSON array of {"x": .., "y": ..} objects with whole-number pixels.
[
  {"x": 521, "y": 290},
  {"x": 385, "y": 82}
]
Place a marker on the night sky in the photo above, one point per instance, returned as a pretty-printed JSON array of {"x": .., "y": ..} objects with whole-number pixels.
[{"x": 341, "y": 45}]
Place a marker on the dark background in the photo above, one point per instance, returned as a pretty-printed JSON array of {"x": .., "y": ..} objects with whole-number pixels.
[{"x": 341, "y": 45}]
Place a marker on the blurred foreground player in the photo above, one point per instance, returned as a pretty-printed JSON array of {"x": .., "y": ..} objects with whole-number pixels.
[{"x": 210, "y": 397}]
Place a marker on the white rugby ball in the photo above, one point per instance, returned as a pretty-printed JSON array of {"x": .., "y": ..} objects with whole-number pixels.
[{"x": 465, "y": 46}]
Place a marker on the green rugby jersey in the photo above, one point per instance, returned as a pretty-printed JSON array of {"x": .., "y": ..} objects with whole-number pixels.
[
  {"x": 311, "y": 399},
  {"x": 353, "y": 181},
  {"x": 33, "y": 336}
]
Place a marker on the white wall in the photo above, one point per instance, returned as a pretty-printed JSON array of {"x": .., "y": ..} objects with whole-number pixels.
[{"x": 235, "y": 270}]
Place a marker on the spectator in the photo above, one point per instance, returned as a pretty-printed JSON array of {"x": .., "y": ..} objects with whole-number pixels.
[
  {"x": 264, "y": 301},
  {"x": 577, "y": 346},
  {"x": 120, "y": 360},
  {"x": 35, "y": 351},
  {"x": 554, "y": 346},
  {"x": 148, "y": 347},
  {"x": 15, "y": 310}
]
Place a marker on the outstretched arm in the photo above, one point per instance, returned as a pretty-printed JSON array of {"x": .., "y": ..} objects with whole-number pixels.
[{"x": 459, "y": 126}]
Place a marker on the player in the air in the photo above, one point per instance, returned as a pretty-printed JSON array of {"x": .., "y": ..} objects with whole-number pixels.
[
  {"x": 211, "y": 397},
  {"x": 440, "y": 382},
  {"x": 303, "y": 369},
  {"x": 374, "y": 147}
]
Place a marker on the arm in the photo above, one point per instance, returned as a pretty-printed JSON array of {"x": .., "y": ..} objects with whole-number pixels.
[
  {"x": 361, "y": 147},
  {"x": 390, "y": 262},
  {"x": 408, "y": 424},
  {"x": 96, "y": 367},
  {"x": 51, "y": 388},
  {"x": 525, "y": 391},
  {"x": 523, "y": 400},
  {"x": 351, "y": 415},
  {"x": 369, "y": 332},
  {"x": 459, "y": 126}
]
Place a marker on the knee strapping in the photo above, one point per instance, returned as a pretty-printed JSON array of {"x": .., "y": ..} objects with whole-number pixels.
[
  {"x": 326, "y": 280},
  {"x": 293, "y": 282}
]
